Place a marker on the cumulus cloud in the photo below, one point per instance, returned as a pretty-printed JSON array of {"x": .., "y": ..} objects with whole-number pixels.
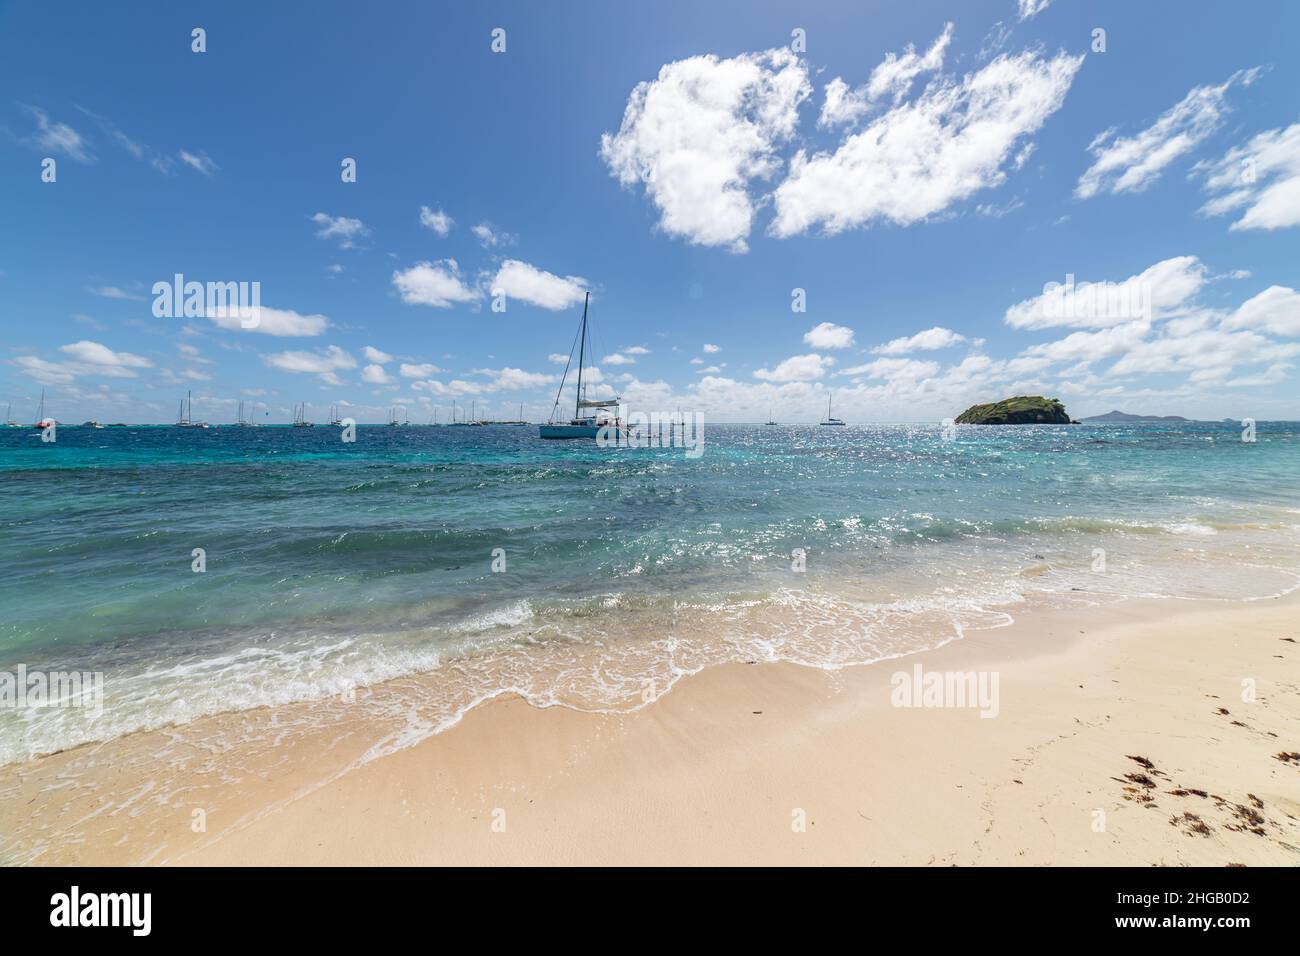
[
  {"x": 1261, "y": 180},
  {"x": 438, "y": 284},
  {"x": 929, "y": 340},
  {"x": 1163, "y": 290},
  {"x": 373, "y": 354},
  {"x": 1132, "y": 163},
  {"x": 513, "y": 379},
  {"x": 1276, "y": 310},
  {"x": 797, "y": 368},
  {"x": 894, "y": 368},
  {"x": 698, "y": 134},
  {"x": 892, "y": 78},
  {"x": 346, "y": 231},
  {"x": 490, "y": 237},
  {"x": 285, "y": 323},
  {"x": 438, "y": 222},
  {"x": 93, "y": 353},
  {"x": 527, "y": 283},
  {"x": 829, "y": 336},
  {"x": 422, "y": 370},
  {"x": 374, "y": 375},
  {"x": 323, "y": 364},
  {"x": 710, "y": 348},
  {"x": 916, "y": 159}
]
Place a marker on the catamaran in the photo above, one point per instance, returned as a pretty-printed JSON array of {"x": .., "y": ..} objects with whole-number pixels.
[
  {"x": 830, "y": 419},
  {"x": 599, "y": 414}
]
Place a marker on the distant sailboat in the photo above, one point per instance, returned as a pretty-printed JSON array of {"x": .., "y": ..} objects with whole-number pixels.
[
  {"x": 244, "y": 422},
  {"x": 300, "y": 417},
  {"x": 770, "y": 419},
  {"x": 334, "y": 415},
  {"x": 41, "y": 421},
  {"x": 583, "y": 425},
  {"x": 184, "y": 417},
  {"x": 9, "y": 416},
  {"x": 830, "y": 419}
]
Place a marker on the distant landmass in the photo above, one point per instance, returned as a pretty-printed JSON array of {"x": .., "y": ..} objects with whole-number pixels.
[
  {"x": 1118, "y": 416},
  {"x": 1020, "y": 410}
]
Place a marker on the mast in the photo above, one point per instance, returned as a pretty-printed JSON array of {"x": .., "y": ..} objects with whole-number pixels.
[{"x": 582, "y": 351}]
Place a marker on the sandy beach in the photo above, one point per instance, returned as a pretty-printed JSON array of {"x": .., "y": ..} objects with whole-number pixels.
[{"x": 1121, "y": 737}]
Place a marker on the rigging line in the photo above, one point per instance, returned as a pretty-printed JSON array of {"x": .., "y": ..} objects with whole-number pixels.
[{"x": 565, "y": 376}]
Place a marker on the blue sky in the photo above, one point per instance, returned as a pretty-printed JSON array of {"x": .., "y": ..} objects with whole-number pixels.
[{"x": 921, "y": 182}]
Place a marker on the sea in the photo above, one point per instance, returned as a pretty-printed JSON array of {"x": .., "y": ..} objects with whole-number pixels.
[{"x": 209, "y": 571}]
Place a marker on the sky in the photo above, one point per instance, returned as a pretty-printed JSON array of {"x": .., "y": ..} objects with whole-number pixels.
[{"x": 914, "y": 207}]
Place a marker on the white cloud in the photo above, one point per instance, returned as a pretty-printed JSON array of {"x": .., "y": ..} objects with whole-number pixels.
[
  {"x": 438, "y": 221},
  {"x": 512, "y": 379},
  {"x": 113, "y": 292},
  {"x": 1276, "y": 310},
  {"x": 1032, "y": 8},
  {"x": 636, "y": 350},
  {"x": 374, "y": 375},
  {"x": 55, "y": 137},
  {"x": 1262, "y": 178},
  {"x": 829, "y": 336},
  {"x": 527, "y": 283},
  {"x": 346, "y": 231},
  {"x": 893, "y": 77},
  {"x": 373, "y": 354},
  {"x": 433, "y": 283},
  {"x": 1131, "y": 164},
  {"x": 558, "y": 358},
  {"x": 927, "y": 341},
  {"x": 709, "y": 348},
  {"x": 797, "y": 368},
  {"x": 93, "y": 353},
  {"x": 617, "y": 358},
  {"x": 200, "y": 162},
  {"x": 1164, "y": 290},
  {"x": 284, "y": 323},
  {"x": 895, "y": 368},
  {"x": 699, "y": 133},
  {"x": 920, "y": 157},
  {"x": 323, "y": 364},
  {"x": 490, "y": 237},
  {"x": 418, "y": 371}
]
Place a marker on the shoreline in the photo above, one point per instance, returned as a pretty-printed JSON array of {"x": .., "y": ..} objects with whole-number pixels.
[{"x": 726, "y": 767}]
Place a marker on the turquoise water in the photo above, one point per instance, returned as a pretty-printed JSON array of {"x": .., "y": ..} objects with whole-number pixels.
[{"x": 333, "y": 565}]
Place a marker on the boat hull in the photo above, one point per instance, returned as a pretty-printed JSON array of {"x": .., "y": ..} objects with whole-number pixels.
[{"x": 612, "y": 432}]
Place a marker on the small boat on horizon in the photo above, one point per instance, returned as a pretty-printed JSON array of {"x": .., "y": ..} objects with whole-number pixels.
[
  {"x": 42, "y": 422},
  {"x": 770, "y": 420},
  {"x": 300, "y": 417},
  {"x": 184, "y": 417},
  {"x": 9, "y": 415},
  {"x": 830, "y": 419},
  {"x": 598, "y": 410},
  {"x": 243, "y": 422}
]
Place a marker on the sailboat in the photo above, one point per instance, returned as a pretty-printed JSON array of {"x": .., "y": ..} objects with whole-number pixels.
[
  {"x": 335, "y": 419},
  {"x": 464, "y": 422},
  {"x": 9, "y": 417},
  {"x": 770, "y": 419},
  {"x": 41, "y": 421},
  {"x": 185, "y": 416},
  {"x": 244, "y": 422},
  {"x": 598, "y": 410},
  {"x": 830, "y": 419},
  {"x": 300, "y": 417}
]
